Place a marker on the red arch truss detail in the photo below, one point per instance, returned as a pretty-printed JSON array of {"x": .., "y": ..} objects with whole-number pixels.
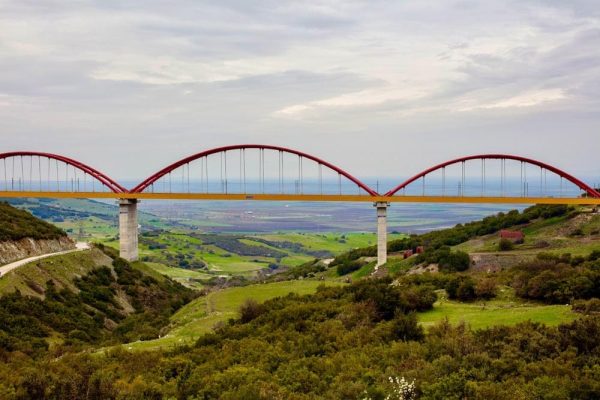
[
  {"x": 104, "y": 179},
  {"x": 582, "y": 185},
  {"x": 150, "y": 180}
]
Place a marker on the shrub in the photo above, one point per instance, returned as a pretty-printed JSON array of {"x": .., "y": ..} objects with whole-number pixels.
[
  {"x": 576, "y": 233},
  {"x": 455, "y": 261},
  {"x": 577, "y": 260},
  {"x": 349, "y": 266},
  {"x": 389, "y": 299},
  {"x": 461, "y": 288},
  {"x": 505, "y": 245},
  {"x": 486, "y": 288},
  {"x": 447, "y": 260},
  {"x": 250, "y": 310},
  {"x": 594, "y": 255},
  {"x": 591, "y": 306},
  {"x": 406, "y": 327}
]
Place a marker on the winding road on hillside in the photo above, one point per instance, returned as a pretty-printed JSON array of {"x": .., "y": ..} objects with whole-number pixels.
[{"x": 80, "y": 246}]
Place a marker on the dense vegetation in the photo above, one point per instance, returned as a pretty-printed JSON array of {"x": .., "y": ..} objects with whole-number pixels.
[
  {"x": 113, "y": 305},
  {"x": 349, "y": 266},
  {"x": 17, "y": 224},
  {"x": 558, "y": 280},
  {"x": 340, "y": 343},
  {"x": 447, "y": 260}
]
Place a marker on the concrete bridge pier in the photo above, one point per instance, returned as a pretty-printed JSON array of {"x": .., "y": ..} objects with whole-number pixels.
[
  {"x": 128, "y": 229},
  {"x": 381, "y": 207}
]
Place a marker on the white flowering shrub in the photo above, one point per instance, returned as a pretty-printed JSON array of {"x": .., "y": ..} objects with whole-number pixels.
[{"x": 401, "y": 390}]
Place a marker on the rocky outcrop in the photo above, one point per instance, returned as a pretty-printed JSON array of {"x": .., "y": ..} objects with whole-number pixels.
[{"x": 12, "y": 251}]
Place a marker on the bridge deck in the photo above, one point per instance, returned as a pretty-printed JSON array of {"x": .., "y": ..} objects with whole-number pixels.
[{"x": 306, "y": 197}]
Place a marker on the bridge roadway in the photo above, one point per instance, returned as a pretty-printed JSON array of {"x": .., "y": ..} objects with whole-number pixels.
[{"x": 306, "y": 197}]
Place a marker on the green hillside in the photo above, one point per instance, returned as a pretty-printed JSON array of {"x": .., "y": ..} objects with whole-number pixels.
[
  {"x": 17, "y": 224},
  {"x": 84, "y": 299},
  {"x": 467, "y": 318},
  {"x": 341, "y": 342}
]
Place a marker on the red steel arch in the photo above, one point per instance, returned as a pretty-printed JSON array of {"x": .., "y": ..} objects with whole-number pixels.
[
  {"x": 150, "y": 180},
  {"x": 104, "y": 179},
  {"x": 582, "y": 185}
]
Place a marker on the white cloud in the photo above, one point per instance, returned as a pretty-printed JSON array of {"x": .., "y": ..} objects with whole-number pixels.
[{"x": 528, "y": 99}]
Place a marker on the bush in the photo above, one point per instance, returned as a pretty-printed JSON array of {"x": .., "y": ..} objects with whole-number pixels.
[
  {"x": 389, "y": 299},
  {"x": 250, "y": 310},
  {"x": 591, "y": 306},
  {"x": 576, "y": 233},
  {"x": 406, "y": 327},
  {"x": 461, "y": 288},
  {"x": 349, "y": 266},
  {"x": 447, "y": 260},
  {"x": 455, "y": 261},
  {"x": 486, "y": 288},
  {"x": 505, "y": 245}
]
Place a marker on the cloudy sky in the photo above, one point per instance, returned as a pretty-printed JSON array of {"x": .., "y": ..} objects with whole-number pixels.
[{"x": 382, "y": 88}]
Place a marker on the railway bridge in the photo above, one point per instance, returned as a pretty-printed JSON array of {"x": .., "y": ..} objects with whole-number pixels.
[{"x": 272, "y": 173}]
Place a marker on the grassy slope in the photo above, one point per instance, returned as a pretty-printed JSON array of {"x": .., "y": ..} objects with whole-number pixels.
[
  {"x": 186, "y": 277},
  {"x": 200, "y": 316},
  {"x": 554, "y": 232},
  {"x": 506, "y": 309},
  {"x": 496, "y": 313},
  {"x": 31, "y": 278}
]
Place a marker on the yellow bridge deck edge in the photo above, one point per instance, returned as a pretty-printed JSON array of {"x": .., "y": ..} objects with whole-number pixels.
[{"x": 305, "y": 197}]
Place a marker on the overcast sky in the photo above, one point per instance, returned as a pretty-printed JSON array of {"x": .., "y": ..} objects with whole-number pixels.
[{"x": 381, "y": 88}]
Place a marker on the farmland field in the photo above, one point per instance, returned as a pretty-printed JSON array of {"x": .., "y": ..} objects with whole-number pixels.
[{"x": 202, "y": 256}]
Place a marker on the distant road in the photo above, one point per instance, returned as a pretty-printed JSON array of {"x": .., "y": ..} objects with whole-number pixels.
[{"x": 80, "y": 246}]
